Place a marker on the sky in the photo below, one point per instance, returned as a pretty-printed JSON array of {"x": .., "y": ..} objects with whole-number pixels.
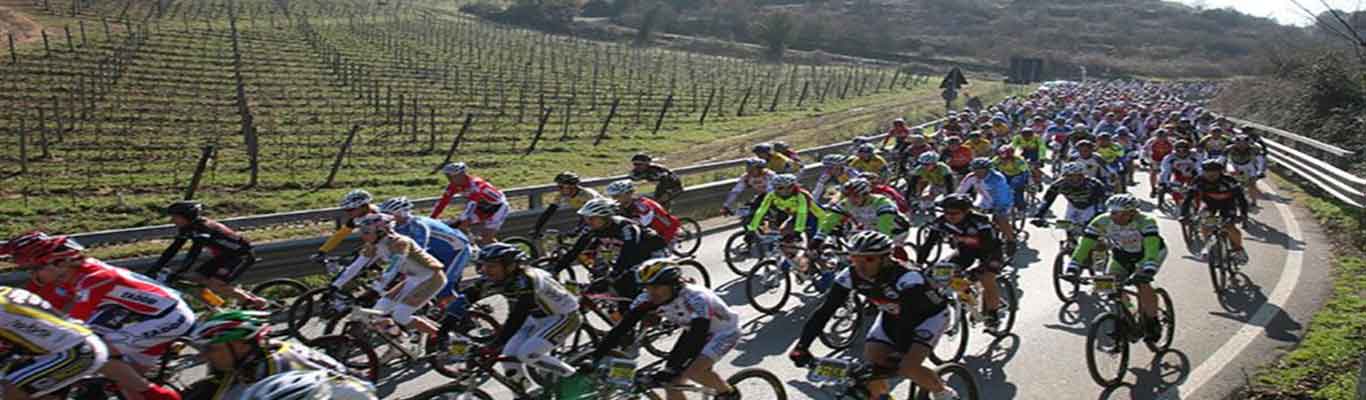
[{"x": 1283, "y": 11}]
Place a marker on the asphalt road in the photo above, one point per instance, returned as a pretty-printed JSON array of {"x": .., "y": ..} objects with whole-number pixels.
[{"x": 1218, "y": 338}]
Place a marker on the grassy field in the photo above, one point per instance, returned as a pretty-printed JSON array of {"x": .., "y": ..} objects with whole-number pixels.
[{"x": 101, "y": 132}]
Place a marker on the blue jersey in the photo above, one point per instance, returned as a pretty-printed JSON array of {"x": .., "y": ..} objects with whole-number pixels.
[{"x": 448, "y": 245}]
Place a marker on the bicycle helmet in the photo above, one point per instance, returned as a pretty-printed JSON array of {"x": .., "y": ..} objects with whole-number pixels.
[
  {"x": 1105, "y": 136},
  {"x": 783, "y": 181},
  {"x": 310, "y": 385},
  {"x": 567, "y": 178},
  {"x": 1212, "y": 164},
  {"x": 599, "y": 208},
  {"x": 455, "y": 168},
  {"x": 831, "y": 160},
  {"x": 1122, "y": 202},
  {"x": 230, "y": 326},
  {"x": 620, "y": 187},
  {"x": 396, "y": 205},
  {"x": 1242, "y": 139},
  {"x": 355, "y": 199},
  {"x": 1006, "y": 150},
  {"x": 867, "y": 243},
  {"x": 980, "y": 163},
  {"x": 1074, "y": 168},
  {"x": 928, "y": 158},
  {"x": 185, "y": 208},
  {"x": 866, "y": 149},
  {"x": 762, "y": 148},
  {"x": 780, "y": 146},
  {"x": 858, "y": 186},
  {"x": 954, "y": 140},
  {"x": 956, "y": 201},
  {"x": 375, "y": 223},
  {"x": 1026, "y": 131},
  {"x": 755, "y": 162},
  {"x": 659, "y": 271},
  {"x": 899, "y": 121},
  {"x": 1182, "y": 144},
  {"x": 642, "y": 158},
  {"x": 35, "y": 249},
  {"x": 1085, "y": 143},
  {"x": 499, "y": 252}
]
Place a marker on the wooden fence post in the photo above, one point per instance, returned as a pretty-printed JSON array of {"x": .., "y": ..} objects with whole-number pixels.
[
  {"x": 455, "y": 144},
  {"x": 431, "y": 132},
  {"x": 205, "y": 153},
  {"x": 668, "y": 101},
  {"x": 341, "y": 154},
  {"x": 540, "y": 128},
  {"x": 83, "y": 33},
  {"x": 610, "y": 113}
]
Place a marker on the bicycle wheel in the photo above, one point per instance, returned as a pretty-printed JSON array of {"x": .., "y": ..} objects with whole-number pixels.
[
  {"x": 1065, "y": 289},
  {"x": 956, "y": 376},
  {"x": 1107, "y": 351},
  {"x": 839, "y": 333},
  {"x": 527, "y": 245},
  {"x": 1191, "y": 235},
  {"x": 739, "y": 257},
  {"x": 1166, "y": 319},
  {"x": 356, "y": 355},
  {"x": 758, "y": 383},
  {"x": 921, "y": 236},
  {"x": 302, "y": 312},
  {"x": 954, "y": 343},
  {"x": 1008, "y": 300},
  {"x": 1218, "y": 271},
  {"x": 688, "y": 239},
  {"x": 279, "y": 295},
  {"x": 768, "y": 286},
  {"x": 695, "y": 271},
  {"x": 453, "y": 391},
  {"x": 660, "y": 340}
]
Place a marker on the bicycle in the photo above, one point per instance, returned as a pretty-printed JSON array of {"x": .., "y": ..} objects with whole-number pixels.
[
  {"x": 688, "y": 238},
  {"x": 773, "y": 276},
  {"x": 1064, "y": 286},
  {"x": 601, "y": 308},
  {"x": 843, "y": 378},
  {"x": 1218, "y": 249},
  {"x": 965, "y": 307},
  {"x": 840, "y": 332},
  {"x": 319, "y": 302},
  {"x": 739, "y": 252},
  {"x": 1124, "y": 328},
  {"x": 278, "y": 293}
]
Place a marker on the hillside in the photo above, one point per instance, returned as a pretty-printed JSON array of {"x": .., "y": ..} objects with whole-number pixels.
[{"x": 1138, "y": 37}]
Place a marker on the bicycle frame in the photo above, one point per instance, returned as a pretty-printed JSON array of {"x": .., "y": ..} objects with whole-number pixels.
[{"x": 1112, "y": 291}]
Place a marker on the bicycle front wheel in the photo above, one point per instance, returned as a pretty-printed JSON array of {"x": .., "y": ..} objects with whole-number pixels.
[
  {"x": 279, "y": 295},
  {"x": 1107, "y": 350},
  {"x": 1010, "y": 302},
  {"x": 956, "y": 376},
  {"x": 757, "y": 383},
  {"x": 1166, "y": 321},
  {"x": 356, "y": 355},
  {"x": 839, "y": 333},
  {"x": 688, "y": 239},
  {"x": 1217, "y": 259},
  {"x": 1065, "y": 289},
  {"x": 696, "y": 272},
  {"x": 768, "y": 286},
  {"x": 738, "y": 254},
  {"x": 954, "y": 343}
]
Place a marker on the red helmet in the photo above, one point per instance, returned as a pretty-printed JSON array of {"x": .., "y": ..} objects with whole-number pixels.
[{"x": 36, "y": 249}]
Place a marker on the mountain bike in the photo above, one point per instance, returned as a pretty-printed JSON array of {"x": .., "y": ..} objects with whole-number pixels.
[
  {"x": 768, "y": 285},
  {"x": 688, "y": 239},
  {"x": 1065, "y": 287},
  {"x": 964, "y": 307},
  {"x": 1111, "y": 333},
  {"x": 844, "y": 378},
  {"x": 278, "y": 294},
  {"x": 1218, "y": 251}
]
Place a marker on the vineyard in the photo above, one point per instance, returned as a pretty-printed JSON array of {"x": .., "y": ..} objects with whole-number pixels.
[{"x": 106, "y": 117}]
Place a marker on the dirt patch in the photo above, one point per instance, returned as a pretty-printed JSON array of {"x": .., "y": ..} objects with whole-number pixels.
[{"x": 16, "y": 23}]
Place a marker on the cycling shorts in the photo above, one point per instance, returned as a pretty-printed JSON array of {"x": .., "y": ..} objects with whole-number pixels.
[
  {"x": 143, "y": 339},
  {"x": 1081, "y": 216},
  {"x": 489, "y": 218},
  {"x": 987, "y": 262},
  {"x": 1247, "y": 169},
  {"x": 41, "y": 375},
  {"x": 721, "y": 343},
  {"x": 927, "y": 332},
  {"x": 226, "y": 267},
  {"x": 1124, "y": 265}
]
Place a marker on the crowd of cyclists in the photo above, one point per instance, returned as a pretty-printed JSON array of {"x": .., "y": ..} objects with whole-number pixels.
[{"x": 966, "y": 182}]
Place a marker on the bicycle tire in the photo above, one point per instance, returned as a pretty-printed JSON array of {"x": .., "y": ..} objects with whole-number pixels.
[
  {"x": 969, "y": 389},
  {"x": 1216, "y": 260},
  {"x": 452, "y": 391},
  {"x": 960, "y": 331},
  {"x": 701, "y": 270},
  {"x": 1065, "y": 289},
  {"x": 778, "y": 388},
  {"x": 755, "y": 286},
  {"x": 1166, "y": 319},
  {"x": 527, "y": 245},
  {"x": 1008, "y": 299},
  {"x": 280, "y": 294},
  {"x": 936, "y": 249},
  {"x": 834, "y": 340},
  {"x": 659, "y": 343},
  {"x": 355, "y": 354},
  {"x": 688, "y": 239},
  {"x": 1093, "y": 334},
  {"x": 737, "y": 253}
]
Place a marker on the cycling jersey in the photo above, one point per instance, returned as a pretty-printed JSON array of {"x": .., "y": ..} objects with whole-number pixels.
[
  {"x": 799, "y": 205},
  {"x": 974, "y": 235},
  {"x": 1183, "y": 167},
  {"x": 1110, "y": 153},
  {"x": 449, "y": 246},
  {"x": 1139, "y": 236},
  {"x": 895, "y": 195},
  {"x": 1224, "y": 194},
  {"x": 1095, "y": 166},
  {"x": 980, "y": 147},
  {"x": 1244, "y": 155},
  {"x": 1082, "y": 194},
  {"x": 1157, "y": 149},
  {"x": 134, "y": 314},
  {"x": 957, "y": 159},
  {"x": 46, "y": 351},
  {"x": 280, "y": 357},
  {"x": 406, "y": 258},
  {"x": 622, "y": 244},
  {"x": 227, "y": 249},
  {"x": 580, "y": 197},
  {"x": 532, "y": 292},
  {"x": 780, "y": 163},
  {"x": 839, "y": 174},
  {"x": 876, "y": 213},
  {"x": 993, "y": 191},
  {"x": 1214, "y": 146},
  {"x": 483, "y": 198},
  {"x": 712, "y": 327},
  {"x": 871, "y": 165},
  {"x": 938, "y": 175},
  {"x": 761, "y": 183},
  {"x": 649, "y": 213},
  {"x": 898, "y": 132},
  {"x": 1010, "y": 167},
  {"x": 905, "y": 298},
  {"x": 1031, "y": 149},
  {"x": 664, "y": 179}
]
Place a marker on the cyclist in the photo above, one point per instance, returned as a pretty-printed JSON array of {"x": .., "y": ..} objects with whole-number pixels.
[
  {"x": 486, "y": 208},
  {"x": 1136, "y": 252},
  {"x": 789, "y": 197},
  {"x": 1214, "y": 143},
  {"x": 422, "y": 274},
  {"x": 1096, "y": 167},
  {"x": 355, "y": 204},
  {"x": 622, "y": 244},
  {"x": 230, "y": 253},
  {"x": 882, "y": 187},
  {"x": 980, "y": 146},
  {"x": 836, "y": 168},
  {"x": 900, "y": 133},
  {"x": 1155, "y": 150},
  {"x": 1032, "y": 149},
  {"x": 1221, "y": 196},
  {"x": 1016, "y": 171},
  {"x": 918, "y": 145},
  {"x": 449, "y": 246},
  {"x": 1085, "y": 195},
  {"x": 712, "y": 328},
  {"x": 1057, "y": 136},
  {"x": 786, "y": 150},
  {"x": 867, "y": 161},
  {"x": 50, "y": 352},
  {"x": 929, "y": 180},
  {"x": 1179, "y": 168},
  {"x": 777, "y": 162},
  {"x": 542, "y": 312},
  {"x": 975, "y": 242},
  {"x": 571, "y": 195},
  {"x": 868, "y": 211},
  {"x": 994, "y": 195},
  {"x": 1249, "y": 164},
  {"x": 913, "y": 315},
  {"x": 136, "y": 317},
  {"x": 311, "y": 385},
  {"x": 239, "y": 353},
  {"x": 956, "y": 155},
  {"x": 756, "y": 178},
  {"x": 667, "y": 184},
  {"x": 644, "y": 210}
]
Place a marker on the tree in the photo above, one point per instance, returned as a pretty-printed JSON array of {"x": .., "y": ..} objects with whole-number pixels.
[
  {"x": 658, "y": 18},
  {"x": 776, "y": 31}
]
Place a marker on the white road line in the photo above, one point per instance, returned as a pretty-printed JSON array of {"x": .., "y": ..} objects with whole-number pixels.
[{"x": 1290, "y": 276}]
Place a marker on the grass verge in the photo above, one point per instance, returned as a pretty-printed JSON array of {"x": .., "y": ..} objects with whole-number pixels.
[{"x": 1326, "y": 365}]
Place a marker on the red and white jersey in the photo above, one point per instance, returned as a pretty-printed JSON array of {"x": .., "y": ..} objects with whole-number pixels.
[
  {"x": 649, "y": 213},
  {"x": 476, "y": 190},
  {"x": 99, "y": 285}
]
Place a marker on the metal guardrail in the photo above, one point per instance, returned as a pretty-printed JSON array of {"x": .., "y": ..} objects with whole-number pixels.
[{"x": 1322, "y": 175}]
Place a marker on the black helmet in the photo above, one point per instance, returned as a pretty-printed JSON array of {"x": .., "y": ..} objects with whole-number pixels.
[
  {"x": 642, "y": 158},
  {"x": 185, "y": 208},
  {"x": 957, "y": 201},
  {"x": 1212, "y": 164},
  {"x": 500, "y": 252},
  {"x": 567, "y": 178}
]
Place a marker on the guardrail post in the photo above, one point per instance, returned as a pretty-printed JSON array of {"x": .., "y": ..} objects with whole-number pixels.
[{"x": 534, "y": 201}]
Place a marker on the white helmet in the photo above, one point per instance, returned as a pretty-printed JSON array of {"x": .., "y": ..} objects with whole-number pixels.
[
  {"x": 375, "y": 222},
  {"x": 858, "y": 185},
  {"x": 831, "y": 160},
  {"x": 310, "y": 385},
  {"x": 784, "y": 181},
  {"x": 1074, "y": 168},
  {"x": 620, "y": 187},
  {"x": 928, "y": 158},
  {"x": 599, "y": 208},
  {"x": 454, "y": 168},
  {"x": 396, "y": 205},
  {"x": 355, "y": 199},
  {"x": 1122, "y": 202}
]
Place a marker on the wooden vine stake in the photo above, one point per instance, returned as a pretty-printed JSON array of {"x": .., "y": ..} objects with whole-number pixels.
[
  {"x": 455, "y": 144},
  {"x": 610, "y": 113},
  {"x": 703, "y": 120},
  {"x": 341, "y": 154},
  {"x": 204, "y": 154},
  {"x": 540, "y": 128},
  {"x": 23, "y": 148},
  {"x": 668, "y": 101}
]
